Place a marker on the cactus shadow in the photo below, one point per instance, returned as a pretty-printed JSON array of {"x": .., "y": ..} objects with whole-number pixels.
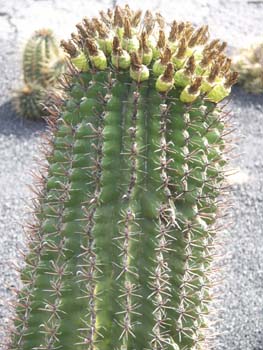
[
  {"x": 244, "y": 98},
  {"x": 12, "y": 124}
]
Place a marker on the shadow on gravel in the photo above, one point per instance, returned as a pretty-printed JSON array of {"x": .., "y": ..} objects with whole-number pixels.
[
  {"x": 12, "y": 124},
  {"x": 244, "y": 98}
]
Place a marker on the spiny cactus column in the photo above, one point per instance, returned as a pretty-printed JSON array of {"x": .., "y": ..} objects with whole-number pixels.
[
  {"x": 121, "y": 248},
  {"x": 42, "y": 59},
  {"x": 43, "y": 63}
]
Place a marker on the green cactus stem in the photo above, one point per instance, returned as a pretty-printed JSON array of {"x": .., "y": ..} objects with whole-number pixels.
[
  {"x": 43, "y": 64},
  {"x": 121, "y": 246},
  {"x": 29, "y": 101},
  {"x": 43, "y": 61}
]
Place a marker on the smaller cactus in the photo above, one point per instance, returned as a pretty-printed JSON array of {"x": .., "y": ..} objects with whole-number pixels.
[
  {"x": 43, "y": 63},
  {"x": 249, "y": 64},
  {"x": 42, "y": 59},
  {"x": 29, "y": 101}
]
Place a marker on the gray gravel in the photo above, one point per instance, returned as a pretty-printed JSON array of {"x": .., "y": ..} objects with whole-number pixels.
[{"x": 239, "y": 22}]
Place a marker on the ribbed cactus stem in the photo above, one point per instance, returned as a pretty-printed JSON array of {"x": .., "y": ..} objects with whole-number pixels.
[
  {"x": 125, "y": 226},
  {"x": 40, "y": 52},
  {"x": 43, "y": 63}
]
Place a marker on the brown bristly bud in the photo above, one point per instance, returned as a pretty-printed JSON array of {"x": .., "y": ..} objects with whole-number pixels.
[
  {"x": 69, "y": 47},
  {"x": 100, "y": 28},
  {"x": 127, "y": 28},
  {"x": 110, "y": 13},
  {"x": 89, "y": 26},
  {"x": 166, "y": 55},
  {"x": 204, "y": 36},
  {"x": 76, "y": 39},
  {"x": 221, "y": 47},
  {"x": 231, "y": 79},
  {"x": 180, "y": 29},
  {"x": 135, "y": 61},
  {"x": 194, "y": 87},
  {"x": 160, "y": 20},
  {"x": 207, "y": 58},
  {"x": 136, "y": 18},
  {"x": 214, "y": 73},
  {"x": 116, "y": 47},
  {"x": 117, "y": 19},
  {"x": 169, "y": 72},
  {"x": 173, "y": 31},
  {"x": 96, "y": 22},
  {"x": 220, "y": 59},
  {"x": 148, "y": 22},
  {"x": 105, "y": 18},
  {"x": 161, "y": 39},
  {"x": 212, "y": 45},
  {"x": 92, "y": 47},
  {"x": 188, "y": 24},
  {"x": 190, "y": 65},
  {"x": 144, "y": 43},
  {"x": 182, "y": 48},
  {"x": 196, "y": 36},
  {"x": 188, "y": 32},
  {"x": 128, "y": 11},
  {"x": 83, "y": 33},
  {"x": 226, "y": 65}
]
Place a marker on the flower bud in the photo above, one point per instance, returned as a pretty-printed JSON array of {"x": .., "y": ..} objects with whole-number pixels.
[
  {"x": 119, "y": 57},
  {"x": 165, "y": 81},
  {"x": 138, "y": 71},
  {"x": 191, "y": 92}
]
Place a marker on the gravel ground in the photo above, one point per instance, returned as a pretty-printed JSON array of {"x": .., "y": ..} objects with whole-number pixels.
[{"x": 238, "y": 22}]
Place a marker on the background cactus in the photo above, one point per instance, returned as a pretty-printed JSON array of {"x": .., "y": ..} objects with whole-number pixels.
[
  {"x": 249, "y": 64},
  {"x": 121, "y": 246},
  {"x": 43, "y": 63},
  {"x": 30, "y": 100}
]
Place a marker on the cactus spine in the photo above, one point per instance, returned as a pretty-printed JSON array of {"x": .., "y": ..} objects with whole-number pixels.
[
  {"x": 121, "y": 247},
  {"x": 43, "y": 63}
]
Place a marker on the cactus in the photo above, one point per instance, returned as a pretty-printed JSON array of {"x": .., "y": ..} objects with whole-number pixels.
[
  {"x": 42, "y": 59},
  {"x": 29, "y": 101},
  {"x": 43, "y": 63},
  {"x": 121, "y": 245},
  {"x": 249, "y": 64}
]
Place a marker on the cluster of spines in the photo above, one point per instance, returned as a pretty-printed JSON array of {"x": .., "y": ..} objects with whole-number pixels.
[
  {"x": 127, "y": 214},
  {"x": 43, "y": 64},
  {"x": 179, "y": 56},
  {"x": 128, "y": 228},
  {"x": 197, "y": 182},
  {"x": 89, "y": 266}
]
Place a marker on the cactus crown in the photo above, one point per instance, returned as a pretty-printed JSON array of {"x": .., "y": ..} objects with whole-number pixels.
[
  {"x": 121, "y": 246},
  {"x": 148, "y": 46}
]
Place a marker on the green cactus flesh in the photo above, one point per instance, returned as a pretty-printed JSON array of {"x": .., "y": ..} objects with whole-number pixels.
[
  {"x": 43, "y": 64},
  {"x": 42, "y": 59},
  {"x": 29, "y": 101},
  {"x": 121, "y": 247}
]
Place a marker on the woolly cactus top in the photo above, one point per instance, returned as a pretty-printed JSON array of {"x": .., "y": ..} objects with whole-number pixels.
[{"x": 176, "y": 55}]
